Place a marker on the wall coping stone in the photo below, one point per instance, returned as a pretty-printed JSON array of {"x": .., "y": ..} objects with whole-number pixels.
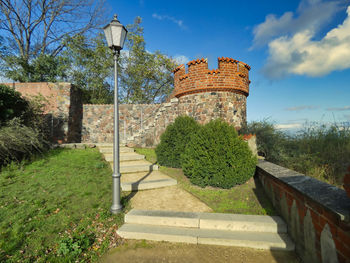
[{"x": 328, "y": 196}]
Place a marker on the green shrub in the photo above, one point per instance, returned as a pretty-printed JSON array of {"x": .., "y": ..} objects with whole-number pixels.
[
  {"x": 173, "y": 141},
  {"x": 317, "y": 150},
  {"x": 11, "y": 104},
  {"x": 270, "y": 141},
  {"x": 18, "y": 141},
  {"x": 320, "y": 151},
  {"x": 216, "y": 156}
]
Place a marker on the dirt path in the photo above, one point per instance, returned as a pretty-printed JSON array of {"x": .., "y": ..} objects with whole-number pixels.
[
  {"x": 154, "y": 252},
  {"x": 171, "y": 198}
]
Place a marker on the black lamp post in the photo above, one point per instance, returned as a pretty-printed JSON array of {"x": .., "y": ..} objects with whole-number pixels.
[{"x": 116, "y": 35}]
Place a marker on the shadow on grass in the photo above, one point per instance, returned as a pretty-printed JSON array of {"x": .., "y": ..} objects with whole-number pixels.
[{"x": 263, "y": 199}]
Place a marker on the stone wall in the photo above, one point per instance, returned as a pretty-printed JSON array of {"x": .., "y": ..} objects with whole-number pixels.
[
  {"x": 97, "y": 124},
  {"x": 317, "y": 213},
  {"x": 207, "y": 106},
  {"x": 200, "y": 93}
]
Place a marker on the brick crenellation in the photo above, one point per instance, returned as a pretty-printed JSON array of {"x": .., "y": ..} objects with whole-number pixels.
[{"x": 231, "y": 76}]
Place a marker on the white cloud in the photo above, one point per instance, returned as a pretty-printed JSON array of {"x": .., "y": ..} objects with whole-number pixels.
[
  {"x": 301, "y": 55},
  {"x": 339, "y": 108},
  {"x": 180, "y": 23},
  {"x": 181, "y": 59},
  {"x": 288, "y": 126},
  {"x": 292, "y": 48},
  {"x": 303, "y": 107},
  {"x": 311, "y": 15}
]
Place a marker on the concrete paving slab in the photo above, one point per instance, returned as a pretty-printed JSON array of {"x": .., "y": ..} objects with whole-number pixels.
[
  {"x": 136, "y": 168},
  {"x": 237, "y": 222},
  {"x": 157, "y": 233},
  {"x": 163, "y": 218},
  {"x": 229, "y": 222},
  {"x": 125, "y": 156},
  {"x": 110, "y": 149},
  {"x": 149, "y": 184},
  {"x": 137, "y": 162},
  {"x": 143, "y": 176},
  {"x": 272, "y": 241}
]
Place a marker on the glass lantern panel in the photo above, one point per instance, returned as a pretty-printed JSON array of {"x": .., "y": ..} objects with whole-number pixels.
[
  {"x": 108, "y": 34},
  {"x": 116, "y": 34},
  {"x": 123, "y": 37}
]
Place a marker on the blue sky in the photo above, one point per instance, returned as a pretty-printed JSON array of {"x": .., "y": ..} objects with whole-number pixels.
[{"x": 299, "y": 51}]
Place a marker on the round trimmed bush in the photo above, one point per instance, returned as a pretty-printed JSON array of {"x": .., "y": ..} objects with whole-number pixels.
[
  {"x": 216, "y": 156},
  {"x": 173, "y": 141}
]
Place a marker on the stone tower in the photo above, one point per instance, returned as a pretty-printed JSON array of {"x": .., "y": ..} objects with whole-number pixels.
[{"x": 210, "y": 94}]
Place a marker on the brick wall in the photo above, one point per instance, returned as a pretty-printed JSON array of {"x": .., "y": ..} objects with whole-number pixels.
[
  {"x": 231, "y": 76},
  {"x": 317, "y": 214},
  {"x": 63, "y": 108}
]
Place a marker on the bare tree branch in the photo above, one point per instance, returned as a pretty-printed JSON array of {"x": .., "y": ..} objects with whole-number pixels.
[{"x": 39, "y": 26}]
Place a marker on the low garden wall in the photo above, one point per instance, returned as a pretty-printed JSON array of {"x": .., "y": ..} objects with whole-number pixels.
[{"x": 317, "y": 214}]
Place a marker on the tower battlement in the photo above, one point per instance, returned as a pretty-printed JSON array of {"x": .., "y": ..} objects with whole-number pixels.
[{"x": 230, "y": 76}]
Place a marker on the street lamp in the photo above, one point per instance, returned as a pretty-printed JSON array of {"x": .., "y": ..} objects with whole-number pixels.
[{"x": 116, "y": 35}]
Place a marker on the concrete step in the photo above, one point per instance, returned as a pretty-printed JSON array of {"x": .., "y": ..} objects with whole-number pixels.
[
  {"x": 136, "y": 166},
  {"x": 218, "y": 221},
  {"x": 149, "y": 184},
  {"x": 259, "y": 240},
  {"x": 125, "y": 156},
  {"x": 107, "y": 145},
  {"x": 121, "y": 150},
  {"x": 237, "y": 222}
]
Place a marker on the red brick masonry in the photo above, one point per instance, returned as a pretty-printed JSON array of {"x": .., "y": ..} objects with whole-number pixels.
[
  {"x": 232, "y": 76},
  {"x": 297, "y": 196}
]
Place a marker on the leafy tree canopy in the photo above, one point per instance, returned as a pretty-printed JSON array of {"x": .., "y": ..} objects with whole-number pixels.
[
  {"x": 67, "y": 51},
  {"x": 146, "y": 77}
]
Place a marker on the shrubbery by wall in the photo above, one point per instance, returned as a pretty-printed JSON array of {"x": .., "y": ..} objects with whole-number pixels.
[
  {"x": 22, "y": 128},
  {"x": 174, "y": 140},
  {"x": 216, "y": 156}
]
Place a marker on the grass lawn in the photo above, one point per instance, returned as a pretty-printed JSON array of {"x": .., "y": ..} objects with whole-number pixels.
[
  {"x": 248, "y": 198},
  {"x": 56, "y": 208}
]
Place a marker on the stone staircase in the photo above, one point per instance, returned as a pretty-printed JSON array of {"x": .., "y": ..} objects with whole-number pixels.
[
  {"x": 137, "y": 173},
  {"x": 149, "y": 127},
  {"x": 253, "y": 231},
  {"x": 261, "y": 232}
]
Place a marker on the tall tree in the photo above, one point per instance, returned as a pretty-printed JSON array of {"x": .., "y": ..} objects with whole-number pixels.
[
  {"x": 89, "y": 65},
  {"x": 146, "y": 77},
  {"x": 36, "y": 28}
]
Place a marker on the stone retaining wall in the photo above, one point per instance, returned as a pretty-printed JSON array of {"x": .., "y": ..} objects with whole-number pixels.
[
  {"x": 97, "y": 123},
  {"x": 143, "y": 124},
  {"x": 317, "y": 213}
]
